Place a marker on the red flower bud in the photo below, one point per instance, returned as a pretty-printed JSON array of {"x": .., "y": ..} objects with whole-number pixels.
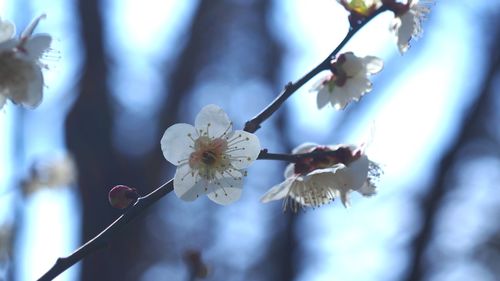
[{"x": 122, "y": 196}]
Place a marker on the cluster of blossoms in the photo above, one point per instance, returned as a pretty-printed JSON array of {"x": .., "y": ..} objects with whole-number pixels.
[
  {"x": 212, "y": 159},
  {"x": 349, "y": 77},
  {"x": 21, "y": 79},
  {"x": 335, "y": 171}
]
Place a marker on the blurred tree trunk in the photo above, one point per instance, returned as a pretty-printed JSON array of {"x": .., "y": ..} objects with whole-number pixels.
[
  {"x": 89, "y": 129},
  {"x": 474, "y": 127},
  {"x": 89, "y": 138},
  {"x": 207, "y": 48}
]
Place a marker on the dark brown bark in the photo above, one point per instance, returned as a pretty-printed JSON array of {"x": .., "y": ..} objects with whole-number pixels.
[{"x": 89, "y": 138}]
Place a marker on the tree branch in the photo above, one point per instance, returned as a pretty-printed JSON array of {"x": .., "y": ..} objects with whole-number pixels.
[
  {"x": 103, "y": 238},
  {"x": 253, "y": 125}
]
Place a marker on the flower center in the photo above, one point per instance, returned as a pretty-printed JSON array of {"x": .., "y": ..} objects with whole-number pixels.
[{"x": 209, "y": 156}]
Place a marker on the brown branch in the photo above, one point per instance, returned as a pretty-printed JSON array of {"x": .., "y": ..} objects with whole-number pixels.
[
  {"x": 103, "y": 238},
  {"x": 340, "y": 154},
  {"x": 253, "y": 125}
]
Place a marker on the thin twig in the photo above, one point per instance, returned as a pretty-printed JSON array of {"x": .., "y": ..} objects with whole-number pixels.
[
  {"x": 253, "y": 125},
  {"x": 103, "y": 238},
  {"x": 294, "y": 158}
]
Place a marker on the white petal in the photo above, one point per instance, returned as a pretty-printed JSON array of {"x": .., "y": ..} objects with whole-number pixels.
[
  {"x": 373, "y": 64},
  {"x": 323, "y": 97},
  {"x": 330, "y": 170},
  {"x": 353, "y": 176},
  {"x": 358, "y": 86},
  {"x": 289, "y": 171},
  {"x": 7, "y": 30},
  {"x": 37, "y": 44},
  {"x": 340, "y": 98},
  {"x": 227, "y": 190},
  {"x": 29, "y": 30},
  {"x": 213, "y": 119},
  {"x": 313, "y": 191},
  {"x": 367, "y": 189},
  {"x": 352, "y": 64},
  {"x": 34, "y": 95},
  {"x": 243, "y": 148},
  {"x": 177, "y": 142},
  {"x": 278, "y": 191},
  {"x": 405, "y": 32},
  {"x": 9, "y": 45},
  {"x": 344, "y": 197},
  {"x": 188, "y": 186}
]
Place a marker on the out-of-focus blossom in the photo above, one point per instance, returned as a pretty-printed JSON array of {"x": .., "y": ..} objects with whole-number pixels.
[
  {"x": 21, "y": 79},
  {"x": 59, "y": 171},
  {"x": 349, "y": 80},
  {"x": 407, "y": 24},
  {"x": 334, "y": 171},
  {"x": 210, "y": 157}
]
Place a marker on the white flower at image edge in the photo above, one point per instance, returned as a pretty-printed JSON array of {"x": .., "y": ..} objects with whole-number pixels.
[
  {"x": 210, "y": 157},
  {"x": 349, "y": 81},
  {"x": 324, "y": 184},
  {"x": 408, "y": 25},
  {"x": 21, "y": 78},
  {"x": 303, "y": 190}
]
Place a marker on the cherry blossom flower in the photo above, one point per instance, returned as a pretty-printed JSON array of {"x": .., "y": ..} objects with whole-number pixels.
[
  {"x": 210, "y": 157},
  {"x": 21, "y": 79},
  {"x": 348, "y": 81},
  {"x": 314, "y": 181},
  {"x": 407, "y": 24}
]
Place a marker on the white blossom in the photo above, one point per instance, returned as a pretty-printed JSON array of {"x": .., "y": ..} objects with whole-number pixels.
[
  {"x": 348, "y": 81},
  {"x": 53, "y": 172},
  {"x": 21, "y": 78},
  {"x": 315, "y": 181},
  {"x": 407, "y": 24},
  {"x": 210, "y": 157}
]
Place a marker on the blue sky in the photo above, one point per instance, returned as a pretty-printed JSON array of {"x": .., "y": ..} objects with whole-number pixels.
[{"x": 429, "y": 88}]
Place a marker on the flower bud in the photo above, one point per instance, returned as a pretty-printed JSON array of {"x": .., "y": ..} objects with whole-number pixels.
[{"x": 122, "y": 196}]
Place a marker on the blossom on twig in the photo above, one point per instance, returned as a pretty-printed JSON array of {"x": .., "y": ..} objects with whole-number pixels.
[
  {"x": 21, "y": 79},
  {"x": 348, "y": 81},
  {"x": 407, "y": 24},
  {"x": 210, "y": 157},
  {"x": 317, "y": 180}
]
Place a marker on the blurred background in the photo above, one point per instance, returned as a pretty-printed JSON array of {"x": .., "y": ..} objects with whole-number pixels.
[{"x": 122, "y": 71}]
